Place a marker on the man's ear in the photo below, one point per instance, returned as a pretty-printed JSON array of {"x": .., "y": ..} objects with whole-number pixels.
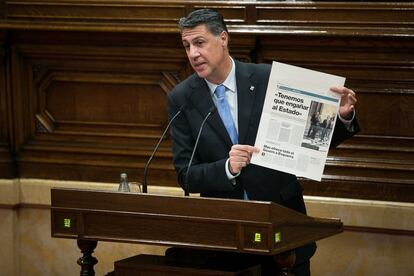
[{"x": 224, "y": 37}]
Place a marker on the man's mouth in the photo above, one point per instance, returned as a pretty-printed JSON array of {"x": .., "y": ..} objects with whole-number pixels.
[{"x": 198, "y": 66}]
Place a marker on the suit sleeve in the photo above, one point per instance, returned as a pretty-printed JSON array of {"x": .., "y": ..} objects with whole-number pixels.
[{"x": 341, "y": 133}]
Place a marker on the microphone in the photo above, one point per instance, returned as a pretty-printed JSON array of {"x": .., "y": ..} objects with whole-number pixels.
[
  {"x": 187, "y": 186},
  {"x": 144, "y": 182}
]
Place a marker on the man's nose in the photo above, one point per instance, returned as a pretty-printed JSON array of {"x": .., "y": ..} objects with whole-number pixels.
[{"x": 193, "y": 52}]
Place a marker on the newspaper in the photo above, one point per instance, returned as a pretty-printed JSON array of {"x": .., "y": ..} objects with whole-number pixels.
[{"x": 297, "y": 121}]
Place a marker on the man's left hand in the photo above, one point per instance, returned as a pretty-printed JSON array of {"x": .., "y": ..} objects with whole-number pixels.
[{"x": 348, "y": 100}]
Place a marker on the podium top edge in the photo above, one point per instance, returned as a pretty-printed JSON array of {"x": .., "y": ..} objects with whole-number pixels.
[{"x": 261, "y": 202}]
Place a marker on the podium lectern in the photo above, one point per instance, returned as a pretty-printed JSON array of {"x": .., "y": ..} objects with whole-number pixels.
[{"x": 254, "y": 227}]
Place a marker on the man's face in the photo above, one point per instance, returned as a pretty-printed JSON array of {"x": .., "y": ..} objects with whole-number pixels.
[{"x": 206, "y": 52}]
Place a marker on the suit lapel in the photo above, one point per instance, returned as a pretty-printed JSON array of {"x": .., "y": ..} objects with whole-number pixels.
[
  {"x": 201, "y": 98},
  {"x": 246, "y": 86}
]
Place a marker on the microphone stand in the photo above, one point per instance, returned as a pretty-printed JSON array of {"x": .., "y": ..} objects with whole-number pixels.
[
  {"x": 144, "y": 182},
  {"x": 187, "y": 186}
]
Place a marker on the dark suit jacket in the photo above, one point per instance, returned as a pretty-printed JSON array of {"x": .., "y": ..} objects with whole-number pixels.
[{"x": 207, "y": 174}]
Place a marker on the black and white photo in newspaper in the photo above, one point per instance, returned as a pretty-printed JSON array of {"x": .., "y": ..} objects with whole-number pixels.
[{"x": 297, "y": 120}]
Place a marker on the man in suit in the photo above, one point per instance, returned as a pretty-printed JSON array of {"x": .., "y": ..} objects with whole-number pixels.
[{"x": 221, "y": 167}]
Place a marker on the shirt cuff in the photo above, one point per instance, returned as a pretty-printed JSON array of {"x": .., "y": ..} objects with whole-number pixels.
[
  {"x": 230, "y": 176},
  {"x": 348, "y": 122}
]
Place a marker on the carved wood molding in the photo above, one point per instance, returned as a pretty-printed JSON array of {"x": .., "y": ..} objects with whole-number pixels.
[
  {"x": 92, "y": 108},
  {"x": 101, "y": 67},
  {"x": 8, "y": 164},
  {"x": 270, "y": 17},
  {"x": 59, "y": 85},
  {"x": 373, "y": 188}
]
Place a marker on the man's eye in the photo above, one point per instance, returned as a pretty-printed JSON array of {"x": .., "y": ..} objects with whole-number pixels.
[{"x": 199, "y": 43}]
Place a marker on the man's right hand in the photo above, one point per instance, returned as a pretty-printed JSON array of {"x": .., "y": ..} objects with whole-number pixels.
[{"x": 239, "y": 157}]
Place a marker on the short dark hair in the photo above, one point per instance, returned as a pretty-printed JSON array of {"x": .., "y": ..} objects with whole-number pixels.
[{"x": 211, "y": 18}]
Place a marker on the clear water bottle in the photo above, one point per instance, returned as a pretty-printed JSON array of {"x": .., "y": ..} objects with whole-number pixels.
[{"x": 123, "y": 184}]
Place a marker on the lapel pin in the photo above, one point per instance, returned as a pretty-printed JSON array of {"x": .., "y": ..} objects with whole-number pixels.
[{"x": 251, "y": 88}]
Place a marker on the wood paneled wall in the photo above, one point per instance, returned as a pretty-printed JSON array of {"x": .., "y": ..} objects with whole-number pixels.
[{"x": 83, "y": 84}]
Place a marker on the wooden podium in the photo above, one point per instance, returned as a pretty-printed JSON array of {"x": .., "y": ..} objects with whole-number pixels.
[{"x": 189, "y": 222}]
